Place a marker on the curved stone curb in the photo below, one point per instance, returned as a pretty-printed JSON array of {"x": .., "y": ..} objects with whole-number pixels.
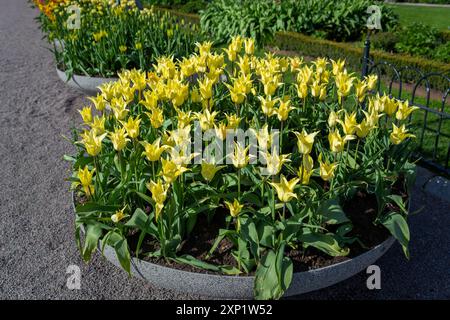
[
  {"x": 241, "y": 287},
  {"x": 88, "y": 85}
]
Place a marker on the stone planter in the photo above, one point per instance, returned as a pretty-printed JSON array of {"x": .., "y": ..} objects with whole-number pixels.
[
  {"x": 86, "y": 84},
  {"x": 241, "y": 287}
]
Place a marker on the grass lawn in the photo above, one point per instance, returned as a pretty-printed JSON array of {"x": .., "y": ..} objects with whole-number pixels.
[{"x": 437, "y": 17}]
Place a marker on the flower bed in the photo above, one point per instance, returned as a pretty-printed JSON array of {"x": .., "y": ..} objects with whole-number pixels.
[
  {"x": 235, "y": 164},
  {"x": 113, "y": 37}
]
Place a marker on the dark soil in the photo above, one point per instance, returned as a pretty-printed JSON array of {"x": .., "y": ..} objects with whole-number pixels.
[{"x": 361, "y": 210}]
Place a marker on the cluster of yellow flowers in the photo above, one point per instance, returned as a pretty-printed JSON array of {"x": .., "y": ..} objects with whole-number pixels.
[{"x": 228, "y": 95}]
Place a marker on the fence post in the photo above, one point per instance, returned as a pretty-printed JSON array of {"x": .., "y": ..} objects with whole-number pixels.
[{"x": 366, "y": 55}]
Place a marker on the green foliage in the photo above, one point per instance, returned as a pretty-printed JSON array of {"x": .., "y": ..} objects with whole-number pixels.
[
  {"x": 114, "y": 38},
  {"x": 225, "y": 18},
  {"x": 418, "y": 39},
  {"x": 343, "y": 20}
]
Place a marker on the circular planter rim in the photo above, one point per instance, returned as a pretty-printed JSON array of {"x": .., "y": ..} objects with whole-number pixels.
[{"x": 357, "y": 263}]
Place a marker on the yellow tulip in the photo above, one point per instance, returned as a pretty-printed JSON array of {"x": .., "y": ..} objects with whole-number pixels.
[
  {"x": 306, "y": 169},
  {"x": 159, "y": 195},
  {"x": 390, "y": 105},
  {"x": 237, "y": 92},
  {"x": 85, "y": 177},
  {"x": 92, "y": 142},
  {"x": 399, "y": 134},
  {"x": 156, "y": 118},
  {"x": 267, "y": 105},
  {"x": 332, "y": 119},
  {"x": 274, "y": 162},
  {"x": 249, "y": 44},
  {"x": 234, "y": 207},
  {"x": 119, "y": 108},
  {"x": 363, "y": 129},
  {"x": 285, "y": 188},
  {"x": 283, "y": 109},
  {"x": 349, "y": 124},
  {"x": 326, "y": 169},
  {"x": 195, "y": 95},
  {"x": 302, "y": 90},
  {"x": 337, "y": 142},
  {"x": 338, "y": 66},
  {"x": 119, "y": 139},
  {"x": 206, "y": 88},
  {"x": 153, "y": 150},
  {"x": 171, "y": 170},
  {"x": 233, "y": 121},
  {"x": 119, "y": 215},
  {"x": 209, "y": 170},
  {"x": 99, "y": 102},
  {"x": 404, "y": 110},
  {"x": 151, "y": 100},
  {"x": 204, "y": 48},
  {"x": 344, "y": 85},
  {"x": 240, "y": 157},
  {"x": 361, "y": 89},
  {"x": 86, "y": 114},
  {"x": 221, "y": 131},
  {"x": 305, "y": 141},
  {"x": 371, "y": 81},
  {"x": 184, "y": 118},
  {"x": 132, "y": 127},
  {"x": 98, "y": 124},
  {"x": 206, "y": 119}
]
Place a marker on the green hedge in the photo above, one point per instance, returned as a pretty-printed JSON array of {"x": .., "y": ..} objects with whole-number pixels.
[{"x": 309, "y": 46}]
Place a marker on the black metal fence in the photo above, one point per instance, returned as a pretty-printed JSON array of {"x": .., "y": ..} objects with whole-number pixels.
[{"x": 430, "y": 124}]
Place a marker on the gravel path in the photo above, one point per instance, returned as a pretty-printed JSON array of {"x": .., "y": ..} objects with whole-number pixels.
[{"x": 36, "y": 221}]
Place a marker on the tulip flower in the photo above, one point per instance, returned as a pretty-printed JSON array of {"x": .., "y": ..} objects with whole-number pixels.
[
  {"x": 305, "y": 141},
  {"x": 399, "y": 134},
  {"x": 119, "y": 139},
  {"x": 337, "y": 142},
  {"x": 85, "y": 177},
  {"x": 274, "y": 162},
  {"x": 119, "y": 215},
  {"x": 240, "y": 157},
  {"x": 171, "y": 170},
  {"x": 156, "y": 117},
  {"x": 235, "y": 208},
  {"x": 249, "y": 44},
  {"x": 326, "y": 169},
  {"x": 153, "y": 150},
  {"x": 132, "y": 127},
  {"x": 159, "y": 194},
  {"x": 283, "y": 109},
  {"x": 92, "y": 142},
  {"x": 285, "y": 188},
  {"x": 86, "y": 114},
  {"x": 209, "y": 170},
  {"x": 404, "y": 110},
  {"x": 349, "y": 124},
  {"x": 99, "y": 102}
]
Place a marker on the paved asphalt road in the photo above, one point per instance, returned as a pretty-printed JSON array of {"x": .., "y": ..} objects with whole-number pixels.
[{"x": 36, "y": 221}]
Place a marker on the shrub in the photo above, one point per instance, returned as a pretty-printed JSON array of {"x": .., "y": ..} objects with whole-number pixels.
[
  {"x": 136, "y": 171},
  {"x": 342, "y": 20},
  {"x": 385, "y": 41},
  {"x": 418, "y": 39},
  {"x": 442, "y": 53}
]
